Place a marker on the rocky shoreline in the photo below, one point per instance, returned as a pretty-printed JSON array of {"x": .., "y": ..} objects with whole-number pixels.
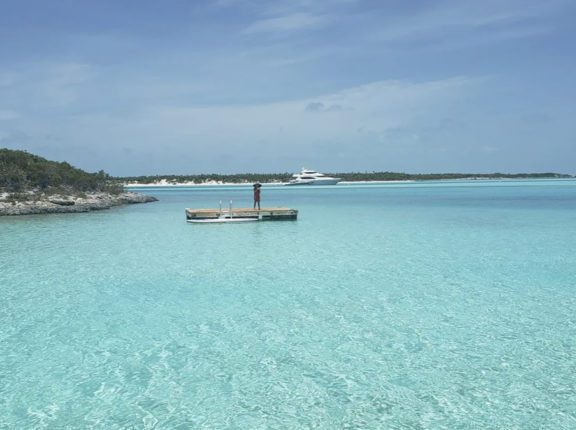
[{"x": 49, "y": 204}]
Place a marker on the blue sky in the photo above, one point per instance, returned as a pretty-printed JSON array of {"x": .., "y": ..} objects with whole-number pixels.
[{"x": 139, "y": 87}]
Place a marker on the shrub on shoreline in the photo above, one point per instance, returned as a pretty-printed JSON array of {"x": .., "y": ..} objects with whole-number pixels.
[{"x": 21, "y": 172}]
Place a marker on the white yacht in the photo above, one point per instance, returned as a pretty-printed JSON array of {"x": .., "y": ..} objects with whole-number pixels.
[{"x": 311, "y": 177}]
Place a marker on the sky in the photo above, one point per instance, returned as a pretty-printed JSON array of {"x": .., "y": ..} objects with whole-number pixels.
[{"x": 150, "y": 87}]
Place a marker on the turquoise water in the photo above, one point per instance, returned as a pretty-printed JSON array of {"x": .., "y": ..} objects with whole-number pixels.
[{"x": 447, "y": 305}]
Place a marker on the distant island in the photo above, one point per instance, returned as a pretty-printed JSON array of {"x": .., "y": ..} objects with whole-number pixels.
[
  {"x": 30, "y": 184},
  {"x": 241, "y": 178}
]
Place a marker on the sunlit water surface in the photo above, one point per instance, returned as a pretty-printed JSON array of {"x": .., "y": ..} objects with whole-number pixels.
[{"x": 447, "y": 305}]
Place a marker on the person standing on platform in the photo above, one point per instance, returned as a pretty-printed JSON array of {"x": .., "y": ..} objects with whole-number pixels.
[{"x": 257, "y": 187}]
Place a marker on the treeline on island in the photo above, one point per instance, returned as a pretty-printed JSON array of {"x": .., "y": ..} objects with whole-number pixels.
[
  {"x": 21, "y": 171},
  {"x": 365, "y": 176},
  {"x": 395, "y": 176}
]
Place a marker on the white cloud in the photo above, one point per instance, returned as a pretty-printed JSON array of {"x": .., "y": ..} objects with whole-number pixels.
[
  {"x": 287, "y": 23},
  {"x": 456, "y": 16},
  {"x": 287, "y": 16},
  {"x": 283, "y": 127},
  {"x": 284, "y": 7}
]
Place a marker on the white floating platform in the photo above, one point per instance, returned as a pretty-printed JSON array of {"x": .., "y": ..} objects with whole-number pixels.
[{"x": 240, "y": 215}]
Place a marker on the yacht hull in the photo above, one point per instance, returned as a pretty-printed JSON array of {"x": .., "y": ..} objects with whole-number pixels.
[{"x": 315, "y": 182}]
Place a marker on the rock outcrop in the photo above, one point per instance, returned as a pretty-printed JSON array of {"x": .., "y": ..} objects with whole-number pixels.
[{"x": 41, "y": 204}]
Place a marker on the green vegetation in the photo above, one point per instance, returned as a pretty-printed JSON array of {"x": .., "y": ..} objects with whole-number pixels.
[
  {"x": 366, "y": 176},
  {"x": 21, "y": 172},
  {"x": 394, "y": 176},
  {"x": 201, "y": 178}
]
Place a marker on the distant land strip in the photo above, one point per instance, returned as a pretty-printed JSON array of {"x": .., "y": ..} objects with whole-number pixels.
[{"x": 347, "y": 177}]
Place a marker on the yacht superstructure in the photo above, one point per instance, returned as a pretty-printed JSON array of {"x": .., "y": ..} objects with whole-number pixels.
[{"x": 312, "y": 177}]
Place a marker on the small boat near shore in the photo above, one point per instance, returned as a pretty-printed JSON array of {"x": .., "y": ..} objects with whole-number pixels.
[{"x": 312, "y": 177}]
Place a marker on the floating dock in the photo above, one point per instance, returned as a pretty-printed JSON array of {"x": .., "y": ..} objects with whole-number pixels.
[{"x": 240, "y": 215}]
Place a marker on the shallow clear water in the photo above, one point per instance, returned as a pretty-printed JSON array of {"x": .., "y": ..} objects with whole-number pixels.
[{"x": 446, "y": 305}]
